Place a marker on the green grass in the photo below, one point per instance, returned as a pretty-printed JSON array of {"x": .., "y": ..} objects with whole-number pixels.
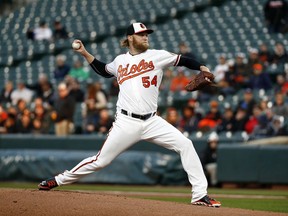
[
  {"x": 252, "y": 204},
  {"x": 263, "y": 192},
  {"x": 276, "y": 204}
]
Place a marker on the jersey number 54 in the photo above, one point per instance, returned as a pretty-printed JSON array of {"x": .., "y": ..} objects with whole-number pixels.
[{"x": 147, "y": 83}]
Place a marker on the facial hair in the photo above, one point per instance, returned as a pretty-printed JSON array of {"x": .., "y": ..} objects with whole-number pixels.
[{"x": 140, "y": 46}]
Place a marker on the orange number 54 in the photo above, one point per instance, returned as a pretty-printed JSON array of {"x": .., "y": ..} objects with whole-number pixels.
[{"x": 147, "y": 83}]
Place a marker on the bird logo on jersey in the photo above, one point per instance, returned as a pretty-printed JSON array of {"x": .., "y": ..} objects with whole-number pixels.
[{"x": 126, "y": 72}]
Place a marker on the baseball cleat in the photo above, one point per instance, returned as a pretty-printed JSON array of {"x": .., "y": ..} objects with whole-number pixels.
[
  {"x": 207, "y": 201},
  {"x": 48, "y": 184}
]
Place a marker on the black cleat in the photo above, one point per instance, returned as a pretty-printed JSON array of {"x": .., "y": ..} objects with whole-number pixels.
[
  {"x": 207, "y": 201},
  {"x": 48, "y": 184}
]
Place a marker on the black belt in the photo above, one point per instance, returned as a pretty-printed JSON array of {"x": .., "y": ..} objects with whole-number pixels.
[{"x": 142, "y": 117}]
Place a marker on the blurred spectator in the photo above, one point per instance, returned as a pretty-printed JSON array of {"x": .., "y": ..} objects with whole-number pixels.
[
  {"x": 210, "y": 159},
  {"x": 240, "y": 72},
  {"x": 24, "y": 124},
  {"x": 21, "y": 93},
  {"x": 261, "y": 129},
  {"x": 279, "y": 55},
  {"x": 240, "y": 119},
  {"x": 280, "y": 107},
  {"x": 260, "y": 79},
  {"x": 59, "y": 31},
  {"x": 79, "y": 72},
  {"x": 253, "y": 59},
  {"x": 63, "y": 113},
  {"x": 184, "y": 50},
  {"x": 6, "y": 92},
  {"x": 263, "y": 104},
  {"x": 281, "y": 84},
  {"x": 104, "y": 123},
  {"x": 220, "y": 75},
  {"x": 10, "y": 123},
  {"x": 114, "y": 88},
  {"x": 172, "y": 116},
  {"x": 167, "y": 79},
  {"x": 41, "y": 119},
  {"x": 179, "y": 81},
  {"x": 94, "y": 102},
  {"x": 61, "y": 69},
  {"x": 100, "y": 91},
  {"x": 220, "y": 70},
  {"x": 38, "y": 101},
  {"x": 227, "y": 121},
  {"x": 21, "y": 107},
  {"x": 43, "y": 32},
  {"x": 38, "y": 86},
  {"x": 276, "y": 127},
  {"x": 264, "y": 54},
  {"x": 30, "y": 34},
  {"x": 228, "y": 85},
  {"x": 269, "y": 113},
  {"x": 75, "y": 89},
  {"x": 199, "y": 111},
  {"x": 37, "y": 127},
  {"x": 253, "y": 119},
  {"x": 212, "y": 118},
  {"x": 189, "y": 120},
  {"x": 3, "y": 117},
  {"x": 248, "y": 101},
  {"x": 47, "y": 93},
  {"x": 276, "y": 15}
]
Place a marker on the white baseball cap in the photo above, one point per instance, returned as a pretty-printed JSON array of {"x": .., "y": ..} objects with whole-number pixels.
[
  {"x": 213, "y": 137},
  {"x": 136, "y": 28}
]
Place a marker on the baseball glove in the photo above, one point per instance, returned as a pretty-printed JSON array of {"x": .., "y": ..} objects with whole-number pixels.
[{"x": 200, "y": 80}]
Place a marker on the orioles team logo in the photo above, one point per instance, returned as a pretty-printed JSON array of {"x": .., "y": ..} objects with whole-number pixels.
[
  {"x": 125, "y": 73},
  {"x": 142, "y": 26}
]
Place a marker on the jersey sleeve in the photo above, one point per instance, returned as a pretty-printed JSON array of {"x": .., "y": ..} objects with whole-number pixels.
[
  {"x": 111, "y": 68},
  {"x": 166, "y": 59}
]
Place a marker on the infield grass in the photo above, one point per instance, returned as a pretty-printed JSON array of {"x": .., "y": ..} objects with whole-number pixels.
[{"x": 253, "y": 199}]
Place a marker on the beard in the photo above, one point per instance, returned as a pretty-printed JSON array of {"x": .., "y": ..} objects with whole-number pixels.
[{"x": 142, "y": 47}]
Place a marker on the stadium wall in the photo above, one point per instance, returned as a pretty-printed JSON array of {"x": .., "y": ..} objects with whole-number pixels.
[{"x": 33, "y": 158}]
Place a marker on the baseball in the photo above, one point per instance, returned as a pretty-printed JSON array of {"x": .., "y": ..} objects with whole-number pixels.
[{"x": 76, "y": 45}]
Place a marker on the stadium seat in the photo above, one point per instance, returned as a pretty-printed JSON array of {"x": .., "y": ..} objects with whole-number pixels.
[{"x": 229, "y": 28}]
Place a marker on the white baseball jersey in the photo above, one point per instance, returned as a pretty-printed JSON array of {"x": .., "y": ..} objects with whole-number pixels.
[{"x": 139, "y": 78}]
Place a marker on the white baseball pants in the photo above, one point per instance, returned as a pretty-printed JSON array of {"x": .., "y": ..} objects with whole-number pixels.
[{"x": 125, "y": 132}]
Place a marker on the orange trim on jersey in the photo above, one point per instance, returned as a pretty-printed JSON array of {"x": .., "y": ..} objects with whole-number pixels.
[
  {"x": 177, "y": 60},
  {"x": 134, "y": 75},
  {"x": 92, "y": 161}
]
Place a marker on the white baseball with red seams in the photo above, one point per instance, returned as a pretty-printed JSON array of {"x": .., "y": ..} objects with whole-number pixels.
[
  {"x": 139, "y": 78},
  {"x": 76, "y": 45}
]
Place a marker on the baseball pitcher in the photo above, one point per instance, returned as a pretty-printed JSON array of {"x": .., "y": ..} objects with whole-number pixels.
[{"x": 139, "y": 73}]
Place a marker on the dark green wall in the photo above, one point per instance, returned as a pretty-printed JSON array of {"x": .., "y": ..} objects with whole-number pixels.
[
  {"x": 253, "y": 164},
  {"x": 237, "y": 163}
]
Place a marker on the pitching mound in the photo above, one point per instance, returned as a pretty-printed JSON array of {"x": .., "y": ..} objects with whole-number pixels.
[{"x": 34, "y": 202}]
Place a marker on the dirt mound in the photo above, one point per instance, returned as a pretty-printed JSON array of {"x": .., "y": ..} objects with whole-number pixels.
[{"x": 34, "y": 202}]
